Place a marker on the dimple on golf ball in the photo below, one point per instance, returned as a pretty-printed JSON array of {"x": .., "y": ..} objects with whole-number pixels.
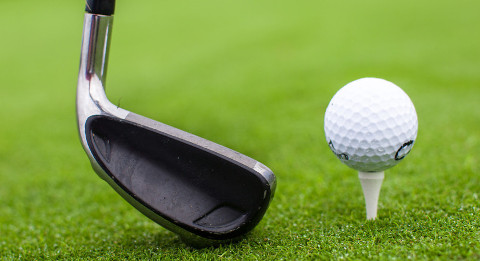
[{"x": 371, "y": 124}]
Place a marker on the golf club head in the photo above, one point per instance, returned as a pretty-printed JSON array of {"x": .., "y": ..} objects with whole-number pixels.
[{"x": 206, "y": 193}]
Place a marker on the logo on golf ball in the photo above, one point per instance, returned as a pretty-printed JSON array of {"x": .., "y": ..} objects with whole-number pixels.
[
  {"x": 404, "y": 150},
  {"x": 342, "y": 156}
]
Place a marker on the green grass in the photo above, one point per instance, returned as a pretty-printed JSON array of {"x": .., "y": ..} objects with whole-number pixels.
[{"x": 257, "y": 77}]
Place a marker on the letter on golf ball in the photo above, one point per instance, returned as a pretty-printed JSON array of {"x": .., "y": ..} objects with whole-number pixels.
[{"x": 371, "y": 124}]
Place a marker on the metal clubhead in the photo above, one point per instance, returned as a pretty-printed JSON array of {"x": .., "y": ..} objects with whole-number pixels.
[{"x": 196, "y": 188}]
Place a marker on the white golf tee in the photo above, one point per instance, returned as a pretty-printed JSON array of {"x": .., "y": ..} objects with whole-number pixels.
[{"x": 371, "y": 184}]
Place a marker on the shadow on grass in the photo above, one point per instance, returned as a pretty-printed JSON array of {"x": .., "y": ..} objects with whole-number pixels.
[{"x": 168, "y": 243}]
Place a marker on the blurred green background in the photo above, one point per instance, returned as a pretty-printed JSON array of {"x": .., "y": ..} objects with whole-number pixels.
[{"x": 255, "y": 76}]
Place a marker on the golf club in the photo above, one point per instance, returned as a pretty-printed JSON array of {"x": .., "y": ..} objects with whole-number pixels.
[{"x": 196, "y": 188}]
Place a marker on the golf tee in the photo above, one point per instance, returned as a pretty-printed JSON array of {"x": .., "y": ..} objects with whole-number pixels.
[{"x": 371, "y": 184}]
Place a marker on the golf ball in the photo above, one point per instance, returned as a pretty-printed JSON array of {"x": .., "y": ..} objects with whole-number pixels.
[{"x": 371, "y": 124}]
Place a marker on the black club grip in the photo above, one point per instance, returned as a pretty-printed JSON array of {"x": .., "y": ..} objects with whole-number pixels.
[{"x": 101, "y": 7}]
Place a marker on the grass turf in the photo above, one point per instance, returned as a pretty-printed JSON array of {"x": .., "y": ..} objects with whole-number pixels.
[{"x": 256, "y": 77}]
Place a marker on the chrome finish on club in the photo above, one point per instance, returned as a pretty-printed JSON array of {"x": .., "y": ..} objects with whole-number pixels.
[{"x": 198, "y": 189}]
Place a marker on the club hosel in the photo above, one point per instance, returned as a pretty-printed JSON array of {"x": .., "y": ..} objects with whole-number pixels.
[
  {"x": 91, "y": 97},
  {"x": 95, "y": 47},
  {"x": 371, "y": 185}
]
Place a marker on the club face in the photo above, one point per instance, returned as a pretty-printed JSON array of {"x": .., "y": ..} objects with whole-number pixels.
[{"x": 203, "y": 191}]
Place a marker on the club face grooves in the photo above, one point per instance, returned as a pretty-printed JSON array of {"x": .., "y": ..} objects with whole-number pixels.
[{"x": 191, "y": 187}]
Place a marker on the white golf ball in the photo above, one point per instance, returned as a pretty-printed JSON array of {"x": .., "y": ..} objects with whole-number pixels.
[{"x": 371, "y": 124}]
